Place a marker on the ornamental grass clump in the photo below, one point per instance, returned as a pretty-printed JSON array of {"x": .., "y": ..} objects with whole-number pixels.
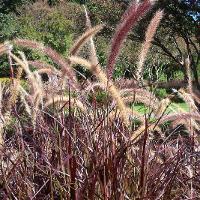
[{"x": 58, "y": 142}]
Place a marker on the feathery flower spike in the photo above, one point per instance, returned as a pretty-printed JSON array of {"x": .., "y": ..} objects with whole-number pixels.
[{"x": 129, "y": 19}]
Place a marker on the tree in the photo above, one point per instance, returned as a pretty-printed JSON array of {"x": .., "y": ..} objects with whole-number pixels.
[
  {"x": 55, "y": 26},
  {"x": 178, "y": 34},
  {"x": 7, "y": 6}
]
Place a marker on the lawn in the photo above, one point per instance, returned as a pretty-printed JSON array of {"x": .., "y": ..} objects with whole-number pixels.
[{"x": 173, "y": 107}]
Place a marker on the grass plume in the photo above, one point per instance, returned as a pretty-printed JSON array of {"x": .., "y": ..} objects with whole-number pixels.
[
  {"x": 102, "y": 77},
  {"x": 84, "y": 38},
  {"x": 64, "y": 99},
  {"x": 129, "y": 19},
  {"x": 93, "y": 53},
  {"x": 56, "y": 57},
  {"x": 151, "y": 30}
]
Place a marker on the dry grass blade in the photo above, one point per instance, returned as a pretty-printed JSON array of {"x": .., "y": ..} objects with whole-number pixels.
[
  {"x": 14, "y": 89},
  {"x": 192, "y": 109},
  {"x": 5, "y": 48},
  {"x": 88, "y": 22},
  {"x": 1, "y": 117},
  {"x": 64, "y": 99},
  {"x": 129, "y": 19},
  {"x": 35, "y": 81},
  {"x": 93, "y": 54},
  {"x": 23, "y": 95},
  {"x": 188, "y": 99},
  {"x": 41, "y": 65},
  {"x": 179, "y": 116},
  {"x": 189, "y": 124},
  {"x": 136, "y": 135},
  {"x": 4, "y": 117},
  {"x": 47, "y": 71},
  {"x": 162, "y": 107},
  {"x": 1, "y": 97},
  {"x": 92, "y": 86},
  {"x": 151, "y": 30},
  {"x": 84, "y": 38},
  {"x": 1, "y": 136},
  {"x": 39, "y": 92}
]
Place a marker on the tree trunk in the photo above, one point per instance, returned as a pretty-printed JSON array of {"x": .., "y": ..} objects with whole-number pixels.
[{"x": 195, "y": 73}]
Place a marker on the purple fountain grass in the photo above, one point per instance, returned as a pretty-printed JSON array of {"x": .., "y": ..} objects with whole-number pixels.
[
  {"x": 84, "y": 38},
  {"x": 39, "y": 64},
  {"x": 93, "y": 53},
  {"x": 180, "y": 116},
  {"x": 188, "y": 99},
  {"x": 56, "y": 57},
  {"x": 151, "y": 30},
  {"x": 56, "y": 146},
  {"x": 129, "y": 19},
  {"x": 42, "y": 66}
]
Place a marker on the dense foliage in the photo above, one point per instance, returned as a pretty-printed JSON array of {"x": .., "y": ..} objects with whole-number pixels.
[{"x": 54, "y": 26}]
